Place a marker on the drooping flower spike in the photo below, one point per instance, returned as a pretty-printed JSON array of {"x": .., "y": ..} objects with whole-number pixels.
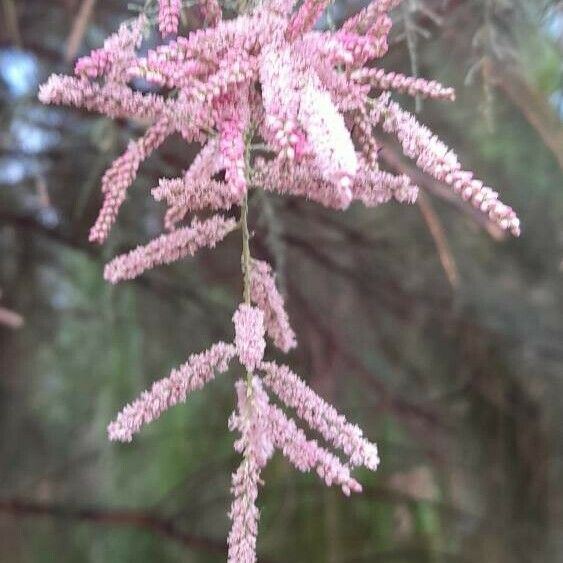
[{"x": 276, "y": 104}]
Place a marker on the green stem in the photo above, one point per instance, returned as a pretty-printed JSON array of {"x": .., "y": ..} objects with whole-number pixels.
[{"x": 246, "y": 259}]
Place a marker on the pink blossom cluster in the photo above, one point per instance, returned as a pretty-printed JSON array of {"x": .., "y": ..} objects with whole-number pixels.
[
  {"x": 307, "y": 93},
  {"x": 273, "y": 103}
]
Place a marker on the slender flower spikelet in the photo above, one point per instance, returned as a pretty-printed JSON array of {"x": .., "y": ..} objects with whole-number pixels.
[
  {"x": 265, "y": 295},
  {"x": 196, "y": 190},
  {"x": 249, "y": 336},
  {"x": 366, "y": 17},
  {"x": 111, "y": 99},
  {"x": 169, "y": 16},
  {"x": 205, "y": 164},
  {"x": 410, "y": 85},
  {"x": 374, "y": 187},
  {"x": 437, "y": 160},
  {"x": 244, "y": 514},
  {"x": 169, "y": 248},
  {"x": 302, "y": 180},
  {"x": 320, "y": 416},
  {"x": 362, "y": 133},
  {"x": 306, "y": 455},
  {"x": 164, "y": 394},
  {"x": 307, "y": 15},
  {"x": 207, "y": 194},
  {"x": 121, "y": 175}
]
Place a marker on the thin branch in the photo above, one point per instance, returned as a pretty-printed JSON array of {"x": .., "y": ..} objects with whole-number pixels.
[
  {"x": 11, "y": 22},
  {"x": 78, "y": 30},
  {"x": 440, "y": 240},
  {"x": 117, "y": 517},
  {"x": 388, "y": 400},
  {"x": 532, "y": 104},
  {"x": 160, "y": 285}
]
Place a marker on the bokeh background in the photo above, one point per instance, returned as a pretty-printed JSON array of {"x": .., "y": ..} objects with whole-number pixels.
[{"x": 439, "y": 335}]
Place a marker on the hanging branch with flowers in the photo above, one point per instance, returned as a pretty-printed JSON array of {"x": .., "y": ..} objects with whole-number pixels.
[{"x": 315, "y": 103}]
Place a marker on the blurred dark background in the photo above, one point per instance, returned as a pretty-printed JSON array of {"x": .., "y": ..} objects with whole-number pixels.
[{"x": 441, "y": 337}]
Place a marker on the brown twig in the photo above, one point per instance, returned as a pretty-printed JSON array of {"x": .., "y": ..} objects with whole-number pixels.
[
  {"x": 531, "y": 103},
  {"x": 440, "y": 240},
  {"x": 11, "y": 22},
  {"x": 78, "y": 29},
  {"x": 162, "y": 286},
  {"x": 386, "y": 398},
  {"x": 116, "y": 517}
]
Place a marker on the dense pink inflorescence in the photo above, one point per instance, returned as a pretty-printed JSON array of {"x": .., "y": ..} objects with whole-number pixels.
[
  {"x": 307, "y": 93},
  {"x": 278, "y": 104}
]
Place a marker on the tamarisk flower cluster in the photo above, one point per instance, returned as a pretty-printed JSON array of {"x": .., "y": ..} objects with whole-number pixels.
[{"x": 277, "y": 104}]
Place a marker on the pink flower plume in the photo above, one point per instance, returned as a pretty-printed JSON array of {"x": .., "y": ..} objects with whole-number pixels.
[
  {"x": 165, "y": 393},
  {"x": 274, "y": 104},
  {"x": 169, "y": 248},
  {"x": 121, "y": 175}
]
